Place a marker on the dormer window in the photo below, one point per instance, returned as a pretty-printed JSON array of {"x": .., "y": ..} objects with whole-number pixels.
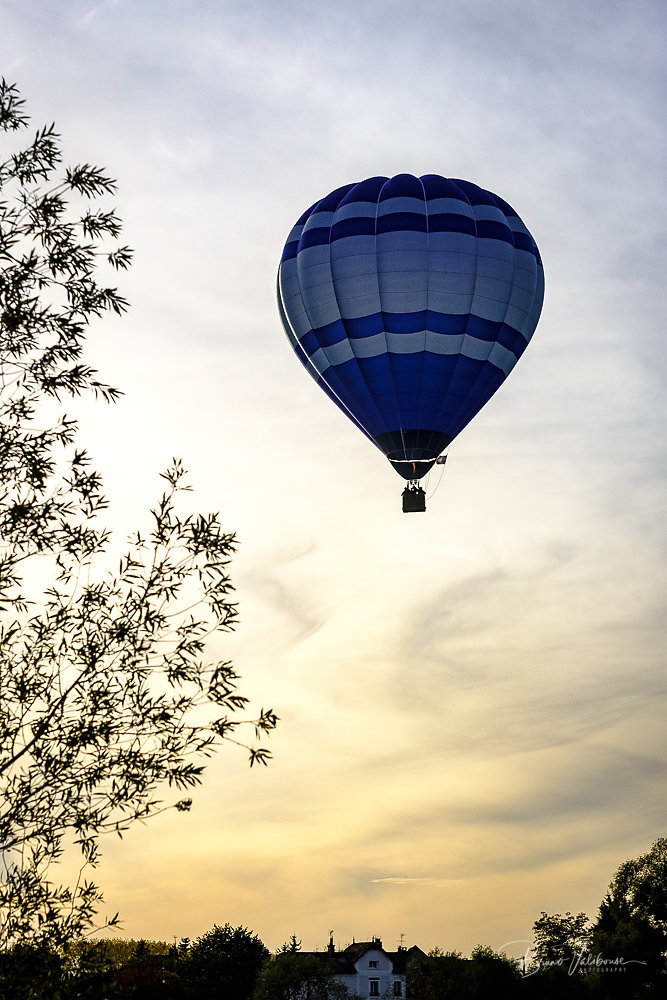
[{"x": 373, "y": 965}]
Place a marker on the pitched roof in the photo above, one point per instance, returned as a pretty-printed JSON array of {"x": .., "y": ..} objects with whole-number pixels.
[
  {"x": 401, "y": 957},
  {"x": 343, "y": 963}
]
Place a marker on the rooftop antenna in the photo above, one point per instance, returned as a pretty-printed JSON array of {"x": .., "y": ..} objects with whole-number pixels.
[{"x": 402, "y": 936}]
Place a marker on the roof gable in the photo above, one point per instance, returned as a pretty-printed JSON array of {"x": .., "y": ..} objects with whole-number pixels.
[{"x": 345, "y": 963}]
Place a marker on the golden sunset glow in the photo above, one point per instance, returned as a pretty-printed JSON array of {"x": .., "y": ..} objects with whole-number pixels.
[{"x": 472, "y": 699}]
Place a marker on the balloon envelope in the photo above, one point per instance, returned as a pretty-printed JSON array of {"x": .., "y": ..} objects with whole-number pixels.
[{"x": 409, "y": 300}]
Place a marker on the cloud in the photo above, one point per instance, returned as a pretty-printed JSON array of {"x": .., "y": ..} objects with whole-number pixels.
[
  {"x": 476, "y": 693},
  {"x": 405, "y": 880}
]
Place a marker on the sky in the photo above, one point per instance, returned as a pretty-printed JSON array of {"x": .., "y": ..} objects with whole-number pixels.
[{"x": 472, "y": 699}]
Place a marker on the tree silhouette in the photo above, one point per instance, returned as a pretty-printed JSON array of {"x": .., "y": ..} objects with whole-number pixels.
[
  {"x": 630, "y": 933},
  {"x": 292, "y": 975},
  {"x": 224, "y": 962},
  {"x": 107, "y": 693}
]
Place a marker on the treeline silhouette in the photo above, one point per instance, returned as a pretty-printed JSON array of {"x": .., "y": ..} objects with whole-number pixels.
[{"x": 622, "y": 953}]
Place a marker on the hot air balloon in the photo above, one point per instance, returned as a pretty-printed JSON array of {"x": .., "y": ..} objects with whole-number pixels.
[{"x": 409, "y": 300}]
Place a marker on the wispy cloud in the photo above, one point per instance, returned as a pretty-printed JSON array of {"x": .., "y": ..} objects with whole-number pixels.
[
  {"x": 477, "y": 692},
  {"x": 407, "y": 880}
]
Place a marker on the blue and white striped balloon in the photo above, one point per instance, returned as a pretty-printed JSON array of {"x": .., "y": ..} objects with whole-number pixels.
[{"x": 409, "y": 300}]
